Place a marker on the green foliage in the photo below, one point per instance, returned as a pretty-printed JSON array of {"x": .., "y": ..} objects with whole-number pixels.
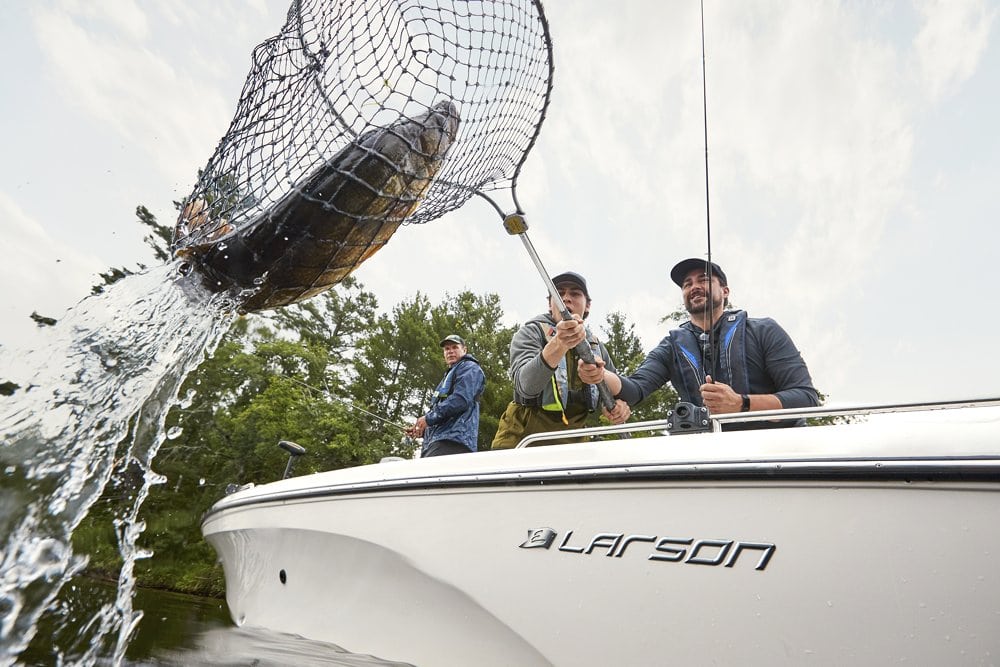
[
  {"x": 399, "y": 363},
  {"x": 332, "y": 374},
  {"x": 626, "y": 350},
  {"x": 159, "y": 237},
  {"x": 828, "y": 420},
  {"x": 477, "y": 319}
]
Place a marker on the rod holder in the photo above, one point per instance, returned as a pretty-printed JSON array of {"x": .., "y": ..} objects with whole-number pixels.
[{"x": 294, "y": 451}]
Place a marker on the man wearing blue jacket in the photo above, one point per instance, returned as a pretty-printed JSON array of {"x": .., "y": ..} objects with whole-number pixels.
[
  {"x": 751, "y": 364},
  {"x": 451, "y": 426}
]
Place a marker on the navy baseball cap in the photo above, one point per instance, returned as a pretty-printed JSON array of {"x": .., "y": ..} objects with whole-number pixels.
[{"x": 686, "y": 266}]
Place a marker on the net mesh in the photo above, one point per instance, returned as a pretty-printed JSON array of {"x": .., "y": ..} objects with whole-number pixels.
[{"x": 341, "y": 69}]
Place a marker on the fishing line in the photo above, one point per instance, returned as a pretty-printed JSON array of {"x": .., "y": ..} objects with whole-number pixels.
[
  {"x": 344, "y": 401},
  {"x": 707, "y": 340}
]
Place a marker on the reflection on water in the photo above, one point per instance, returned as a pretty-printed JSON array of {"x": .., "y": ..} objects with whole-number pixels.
[
  {"x": 184, "y": 630},
  {"x": 263, "y": 648}
]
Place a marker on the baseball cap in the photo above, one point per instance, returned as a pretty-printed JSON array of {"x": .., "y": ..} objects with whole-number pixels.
[
  {"x": 686, "y": 266},
  {"x": 453, "y": 338},
  {"x": 571, "y": 277}
]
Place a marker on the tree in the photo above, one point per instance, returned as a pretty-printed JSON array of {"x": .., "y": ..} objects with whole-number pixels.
[
  {"x": 478, "y": 319},
  {"x": 158, "y": 239},
  {"x": 337, "y": 318},
  {"x": 626, "y": 350}
]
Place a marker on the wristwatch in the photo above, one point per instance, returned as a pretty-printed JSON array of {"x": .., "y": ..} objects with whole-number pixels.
[{"x": 746, "y": 403}]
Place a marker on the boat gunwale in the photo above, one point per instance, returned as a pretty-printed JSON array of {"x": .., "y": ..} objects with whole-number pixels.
[
  {"x": 717, "y": 421},
  {"x": 976, "y": 468}
]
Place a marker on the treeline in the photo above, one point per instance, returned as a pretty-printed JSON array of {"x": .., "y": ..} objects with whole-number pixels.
[{"x": 333, "y": 374}]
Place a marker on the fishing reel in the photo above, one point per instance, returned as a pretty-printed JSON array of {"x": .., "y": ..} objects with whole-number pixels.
[{"x": 688, "y": 418}]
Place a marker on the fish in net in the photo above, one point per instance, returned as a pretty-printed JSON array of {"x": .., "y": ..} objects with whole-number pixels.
[{"x": 360, "y": 116}]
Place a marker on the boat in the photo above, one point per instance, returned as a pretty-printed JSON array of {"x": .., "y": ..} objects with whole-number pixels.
[{"x": 868, "y": 541}]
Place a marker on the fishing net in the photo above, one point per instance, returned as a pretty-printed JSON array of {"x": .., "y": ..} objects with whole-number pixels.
[{"x": 342, "y": 69}]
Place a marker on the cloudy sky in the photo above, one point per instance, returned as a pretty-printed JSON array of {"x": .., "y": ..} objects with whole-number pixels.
[{"x": 853, "y": 154}]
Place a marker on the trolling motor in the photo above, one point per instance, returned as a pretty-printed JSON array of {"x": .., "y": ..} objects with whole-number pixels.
[
  {"x": 688, "y": 418},
  {"x": 294, "y": 451}
]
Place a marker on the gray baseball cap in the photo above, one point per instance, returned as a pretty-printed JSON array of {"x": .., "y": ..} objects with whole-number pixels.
[{"x": 571, "y": 277}]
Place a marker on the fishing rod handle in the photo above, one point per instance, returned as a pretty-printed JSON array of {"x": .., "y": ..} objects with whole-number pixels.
[
  {"x": 586, "y": 354},
  {"x": 516, "y": 225}
]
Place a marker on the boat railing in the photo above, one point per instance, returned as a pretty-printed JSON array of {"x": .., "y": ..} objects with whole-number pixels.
[{"x": 716, "y": 421}]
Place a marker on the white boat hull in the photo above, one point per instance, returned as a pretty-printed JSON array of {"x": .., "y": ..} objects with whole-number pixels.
[{"x": 764, "y": 547}]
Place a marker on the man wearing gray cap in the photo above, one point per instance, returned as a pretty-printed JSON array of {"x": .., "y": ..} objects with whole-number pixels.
[
  {"x": 751, "y": 364},
  {"x": 548, "y": 395},
  {"x": 451, "y": 426}
]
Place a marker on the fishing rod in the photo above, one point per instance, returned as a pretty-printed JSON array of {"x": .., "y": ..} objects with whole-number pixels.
[
  {"x": 516, "y": 225},
  {"x": 707, "y": 339},
  {"x": 343, "y": 401}
]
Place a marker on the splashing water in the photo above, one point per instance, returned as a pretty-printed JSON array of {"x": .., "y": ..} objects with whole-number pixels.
[{"x": 98, "y": 394}]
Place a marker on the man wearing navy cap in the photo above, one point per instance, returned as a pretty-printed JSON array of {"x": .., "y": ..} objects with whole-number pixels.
[
  {"x": 451, "y": 426},
  {"x": 548, "y": 395},
  {"x": 745, "y": 364}
]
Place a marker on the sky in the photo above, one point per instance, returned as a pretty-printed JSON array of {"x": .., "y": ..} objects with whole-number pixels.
[{"x": 852, "y": 148}]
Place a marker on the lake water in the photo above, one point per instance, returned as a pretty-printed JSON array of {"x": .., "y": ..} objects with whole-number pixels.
[
  {"x": 96, "y": 389},
  {"x": 180, "y": 630}
]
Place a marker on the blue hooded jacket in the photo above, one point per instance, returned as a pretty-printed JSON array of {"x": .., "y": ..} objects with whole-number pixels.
[{"x": 454, "y": 413}]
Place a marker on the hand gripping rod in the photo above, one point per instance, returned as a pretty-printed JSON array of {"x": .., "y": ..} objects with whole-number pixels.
[{"x": 516, "y": 225}]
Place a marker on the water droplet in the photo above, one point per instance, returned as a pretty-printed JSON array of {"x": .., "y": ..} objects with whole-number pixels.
[
  {"x": 9, "y": 470},
  {"x": 201, "y": 482},
  {"x": 174, "y": 432},
  {"x": 222, "y": 246},
  {"x": 109, "y": 362},
  {"x": 8, "y": 605},
  {"x": 188, "y": 399}
]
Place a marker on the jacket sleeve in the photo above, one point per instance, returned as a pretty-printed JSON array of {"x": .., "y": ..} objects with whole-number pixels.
[
  {"x": 528, "y": 370},
  {"x": 785, "y": 367},
  {"x": 653, "y": 373},
  {"x": 469, "y": 383},
  {"x": 608, "y": 362}
]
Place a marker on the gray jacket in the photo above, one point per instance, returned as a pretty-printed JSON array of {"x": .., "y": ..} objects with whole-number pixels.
[{"x": 533, "y": 377}]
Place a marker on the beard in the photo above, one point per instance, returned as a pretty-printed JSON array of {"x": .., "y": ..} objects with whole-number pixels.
[{"x": 702, "y": 307}]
